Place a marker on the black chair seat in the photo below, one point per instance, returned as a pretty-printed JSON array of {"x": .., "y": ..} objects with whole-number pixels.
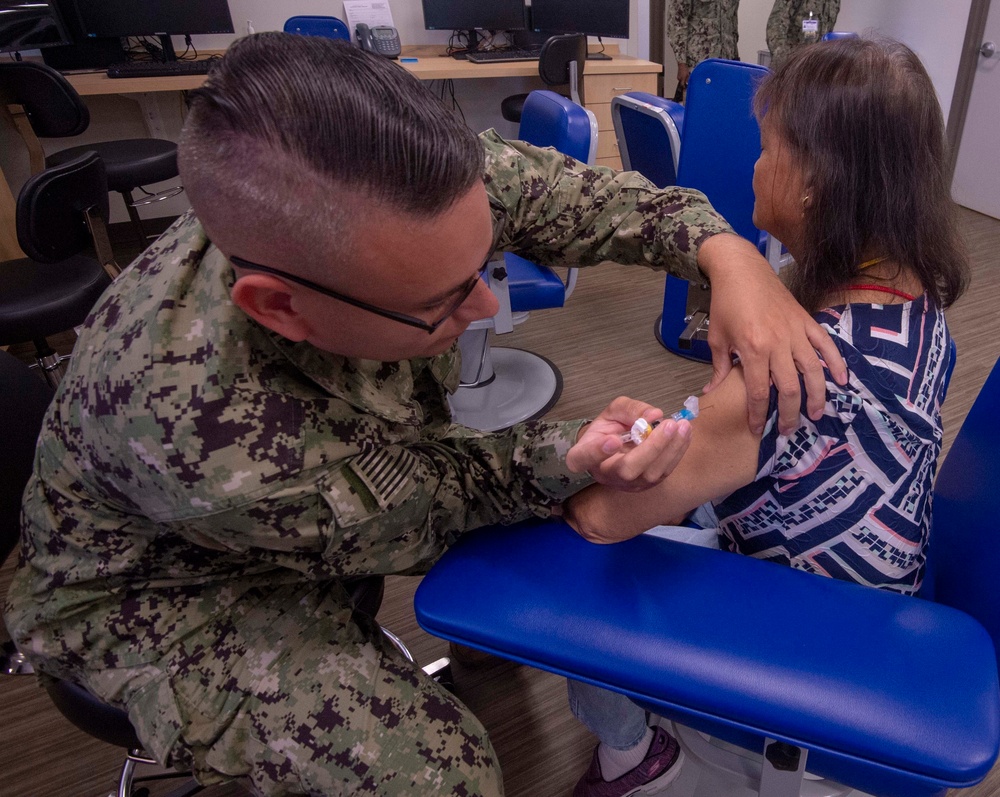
[
  {"x": 130, "y": 162},
  {"x": 90, "y": 715},
  {"x": 511, "y": 107},
  {"x": 41, "y": 299}
]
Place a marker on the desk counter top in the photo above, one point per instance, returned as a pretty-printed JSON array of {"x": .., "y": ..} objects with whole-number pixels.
[{"x": 431, "y": 64}]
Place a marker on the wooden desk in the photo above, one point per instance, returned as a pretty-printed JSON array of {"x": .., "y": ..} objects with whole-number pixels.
[{"x": 604, "y": 79}]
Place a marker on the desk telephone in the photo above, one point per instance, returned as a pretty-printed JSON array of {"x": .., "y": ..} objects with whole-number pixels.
[{"x": 381, "y": 40}]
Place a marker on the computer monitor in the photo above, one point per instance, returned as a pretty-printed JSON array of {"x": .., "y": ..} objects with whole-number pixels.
[
  {"x": 161, "y": 18},
  {"x": 30, "y": 25},
  {"x": 466, "y": 16},
  {"x": 593, "y": 17}
]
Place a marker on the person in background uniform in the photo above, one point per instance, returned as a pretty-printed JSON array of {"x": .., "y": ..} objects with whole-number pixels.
[
  {"x": 795, "y": 22},
  {"x": 256, "y": 415},
  {"x": 700, "y": 29}
]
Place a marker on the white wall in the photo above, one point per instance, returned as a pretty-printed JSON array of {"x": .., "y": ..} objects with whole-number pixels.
[{"x": 934, "y": 30}]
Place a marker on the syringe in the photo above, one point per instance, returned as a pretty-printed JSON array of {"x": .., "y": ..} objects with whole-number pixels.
[{"x": 642, "y": 428}]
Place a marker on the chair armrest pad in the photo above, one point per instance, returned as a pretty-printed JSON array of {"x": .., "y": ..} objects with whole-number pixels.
[{"x": 699, "y": 634}]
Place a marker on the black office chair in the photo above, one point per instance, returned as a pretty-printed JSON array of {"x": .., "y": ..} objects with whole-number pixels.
[
  {"x": 45, "y": 105},
  {"x": 61, "y": 214},
  {"x": 560, "y": 63}
]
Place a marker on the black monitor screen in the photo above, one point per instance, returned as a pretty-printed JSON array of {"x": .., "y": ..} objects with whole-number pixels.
[
  {"x": 469, "y": 14},
  {"x": 149, "y": 17},
  {"x": 29, "y": 25},
  {"x": 593, "y": 17}
]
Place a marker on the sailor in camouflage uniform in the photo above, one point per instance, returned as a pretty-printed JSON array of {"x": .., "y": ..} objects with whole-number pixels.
[
  {"x": 700, "y": 29},
  {"x": 230, "y": 446},
  {"x": 789, "y": 24}
]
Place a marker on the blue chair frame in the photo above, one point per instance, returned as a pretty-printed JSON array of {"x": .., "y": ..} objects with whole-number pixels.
[
  {"x": 720, "y": 144},
  {"x": 896, "y": 696},
  {"x": 504, "y": 386},
  {"x": 328, "y": 27},
  {"x": 648, "y": 129}
]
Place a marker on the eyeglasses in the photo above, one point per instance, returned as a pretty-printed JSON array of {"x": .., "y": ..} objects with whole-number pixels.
[{"x": 499, "y": 227}]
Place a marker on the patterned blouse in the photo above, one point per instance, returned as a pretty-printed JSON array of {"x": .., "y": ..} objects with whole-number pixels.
[{"x": 849, "y": 496}]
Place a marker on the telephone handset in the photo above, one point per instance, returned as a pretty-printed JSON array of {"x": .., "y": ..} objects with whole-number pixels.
[{"x": 381, "y": 40}]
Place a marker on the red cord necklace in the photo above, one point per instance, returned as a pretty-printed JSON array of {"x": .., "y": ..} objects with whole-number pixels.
[
  {"x": 878, "y": 288},
  {"x": 881, "y": 289}
]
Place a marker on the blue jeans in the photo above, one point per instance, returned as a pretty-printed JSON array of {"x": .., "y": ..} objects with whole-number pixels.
[{"x": 611, "y": 717}]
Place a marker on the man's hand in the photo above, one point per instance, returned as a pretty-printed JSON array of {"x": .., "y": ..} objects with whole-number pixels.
[
  {"x": 683, "y": 73},
  {"x": 624, "y": 466},
  {"x": 754, "y": 316}
]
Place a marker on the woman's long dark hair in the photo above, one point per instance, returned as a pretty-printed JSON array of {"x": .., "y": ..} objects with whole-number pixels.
[{"x": 862, "y": 117}]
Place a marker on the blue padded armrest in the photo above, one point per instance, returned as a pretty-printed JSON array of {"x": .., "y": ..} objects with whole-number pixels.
[
  {"x": 890, "y": 694},
  {"x": 532, "y": 287}
]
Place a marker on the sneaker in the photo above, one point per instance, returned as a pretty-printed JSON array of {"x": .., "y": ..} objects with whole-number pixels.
[{"x": 657, "y": 771}]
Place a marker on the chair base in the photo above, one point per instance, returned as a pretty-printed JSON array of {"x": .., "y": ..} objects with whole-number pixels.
[
  {"x": 714, "y": 768},
  {"x": 699, "y": 351},
  {"x": 525, "y": 386}
]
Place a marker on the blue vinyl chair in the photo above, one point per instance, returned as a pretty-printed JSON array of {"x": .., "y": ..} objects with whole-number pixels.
[
  {"x": 720, "y": 143},
  {"x": 892, "y": 695},
  {"x": 504, "y": 386},
  {"x": 833, "y": 35},
  {"x": 648, "y": 129},
  {"x": 328, "y": 27}
]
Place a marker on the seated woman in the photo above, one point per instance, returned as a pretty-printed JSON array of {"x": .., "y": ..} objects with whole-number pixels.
[{"x": 852, "y": 178}]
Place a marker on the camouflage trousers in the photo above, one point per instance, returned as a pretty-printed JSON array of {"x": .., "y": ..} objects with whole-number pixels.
[{"x": 308, "y": 700}]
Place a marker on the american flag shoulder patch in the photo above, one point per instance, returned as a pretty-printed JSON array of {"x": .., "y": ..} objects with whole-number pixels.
[{"x": 385, "y": 472}]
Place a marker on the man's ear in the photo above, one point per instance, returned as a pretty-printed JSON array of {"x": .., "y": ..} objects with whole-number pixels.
[{"x": 268, "y": 301}]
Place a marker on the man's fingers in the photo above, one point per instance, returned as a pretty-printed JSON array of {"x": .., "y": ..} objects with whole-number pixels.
[
  {"x": 591, "y": 451},
  {"x": 722, "y": 364},
  {"x": 640, "y": 467},
  {"x": 811, "y": 369},
  {"x": 823, "y": 343},
  {"x": 758, "y": 382}
]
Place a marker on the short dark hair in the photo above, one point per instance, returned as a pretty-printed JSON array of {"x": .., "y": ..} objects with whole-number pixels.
[
  {"x": 863, "y": 119},
  {"x": 340, "y": 119}
]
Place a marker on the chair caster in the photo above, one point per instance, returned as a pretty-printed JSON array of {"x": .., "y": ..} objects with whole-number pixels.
[{"x": 440, "y": 671}]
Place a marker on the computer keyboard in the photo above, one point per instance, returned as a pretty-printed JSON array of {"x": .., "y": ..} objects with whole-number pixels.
[
  {"x": 160, "y": 68},
  {"x": 500, "y": 56}
]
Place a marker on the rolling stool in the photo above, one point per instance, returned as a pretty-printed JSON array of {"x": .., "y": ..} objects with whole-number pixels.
[
  {"x": 45, "y": 105},
  {"x": 560, "y": 63}
]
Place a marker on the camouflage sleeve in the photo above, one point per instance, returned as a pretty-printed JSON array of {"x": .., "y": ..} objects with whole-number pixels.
[
  {"x": 828, "y": 16},
  {"x": 395, "y": 509},
  {"x": 565, "y": 213},
  {"x": 677, "y": 28}
]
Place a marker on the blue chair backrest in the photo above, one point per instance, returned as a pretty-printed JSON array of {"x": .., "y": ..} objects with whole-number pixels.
[
  {"x": 329, "y": 27},
  {"x": 721, "y": 139},
  {"x": 649, "y": 135},
  {"x": 839, "y": 34},
  {"x": 965, "y": 532},
  {"x": 551, "y": 120}
]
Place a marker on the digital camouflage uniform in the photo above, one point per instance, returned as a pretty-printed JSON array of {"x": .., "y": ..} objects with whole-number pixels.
[
  {"x": 203, "y": 486},
  {"x": 784, "y": 25},
  {"x": 700, "y": 29}
]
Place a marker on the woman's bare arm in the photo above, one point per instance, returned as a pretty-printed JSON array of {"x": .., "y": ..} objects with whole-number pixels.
[{"x": 722, "y": 457}]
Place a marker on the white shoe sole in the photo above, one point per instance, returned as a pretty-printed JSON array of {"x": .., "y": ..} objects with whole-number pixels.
[{"x": 662, "y": 782}]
